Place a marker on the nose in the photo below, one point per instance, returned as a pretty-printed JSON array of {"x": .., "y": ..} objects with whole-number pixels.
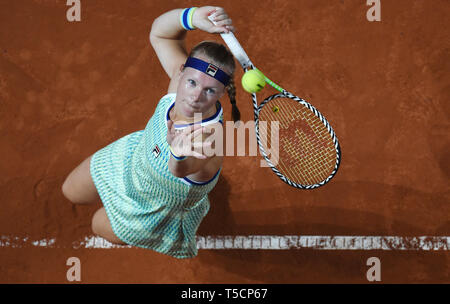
[{"x": 194, "y": 95}]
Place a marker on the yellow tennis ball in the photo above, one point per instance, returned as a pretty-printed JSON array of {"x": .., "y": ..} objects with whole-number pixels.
[{"x": 253, "y": 81}]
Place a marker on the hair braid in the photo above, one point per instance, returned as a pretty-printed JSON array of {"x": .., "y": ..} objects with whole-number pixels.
[{"x": 231, "y": 90}]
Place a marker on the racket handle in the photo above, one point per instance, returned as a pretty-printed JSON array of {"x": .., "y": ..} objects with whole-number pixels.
[{"x": 234, "y": 46}]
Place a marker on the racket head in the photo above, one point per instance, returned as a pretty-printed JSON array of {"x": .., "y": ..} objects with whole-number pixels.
[{"x": 307, "y": 154}]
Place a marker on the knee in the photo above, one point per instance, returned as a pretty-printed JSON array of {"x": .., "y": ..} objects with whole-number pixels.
[
  {"x": 76, "y": 194},
  {"x": 66, "y": 190},
  {"x": 101, "y": 226},
  {"x": 96, "y": 224}
]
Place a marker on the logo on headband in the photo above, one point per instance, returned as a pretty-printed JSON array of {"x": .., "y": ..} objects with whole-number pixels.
[
  {"x": 212, "y": 70},
  {"x": 208, "y": 68}
]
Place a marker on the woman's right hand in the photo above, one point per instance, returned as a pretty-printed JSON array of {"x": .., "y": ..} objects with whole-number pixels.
[
  {"x": 223, "y": 23},
  {"x": 187, "y": 142}
]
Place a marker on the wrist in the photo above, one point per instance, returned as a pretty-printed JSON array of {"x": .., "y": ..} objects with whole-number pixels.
[
  {"x": 186, "y": 18},
  {"x": 175, "y": 156}
]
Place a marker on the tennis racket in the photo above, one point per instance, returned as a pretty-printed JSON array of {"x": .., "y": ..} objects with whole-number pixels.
[{"x": 308, "y": 149}]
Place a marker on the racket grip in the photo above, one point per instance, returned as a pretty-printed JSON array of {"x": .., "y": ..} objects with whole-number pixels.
[{"x": 234, "y": 46}]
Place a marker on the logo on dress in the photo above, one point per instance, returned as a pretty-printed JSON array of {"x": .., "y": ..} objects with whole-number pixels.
[
  {"x": 212, "y": 70},
  {"x": 156, "y": 151}
]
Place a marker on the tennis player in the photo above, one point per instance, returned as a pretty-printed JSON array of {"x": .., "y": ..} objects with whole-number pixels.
[{"x": 154, "y": 183}]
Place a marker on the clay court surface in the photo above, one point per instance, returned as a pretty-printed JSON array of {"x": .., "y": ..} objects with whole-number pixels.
[{"x": 67, "y": 89}]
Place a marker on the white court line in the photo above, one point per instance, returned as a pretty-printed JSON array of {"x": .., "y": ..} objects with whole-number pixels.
[{"x": 268, "y": 242}]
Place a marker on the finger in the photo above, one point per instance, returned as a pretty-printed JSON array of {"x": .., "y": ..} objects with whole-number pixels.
[
  {"x": 224, "y": 23},
  {"x": 199, "y": 141},
  {"x": 221, "y": 21},
  {"x": 197, "y": 146},
  {"x": 210, "y": 139},
  {"x": 210, "y": 129},
  {"x": 177, "y": 131},
  {"x": 207, "y": 147},
  {"x": 221, "y": 27},
  {"x": 186, "y": 131},
  {"x": 173, "y": 130},
  {"x": 191, "y": 128},
  {"x": 230, "y": 28},
  {"x": 195, "y": 134},
  {"x": 194, "y": 128},
  {"x": 212, "y": 13},
  {"x": 220, "y": 30},
  {"x": 217, "y": 18},
  {"x": 217, "y": 11}
]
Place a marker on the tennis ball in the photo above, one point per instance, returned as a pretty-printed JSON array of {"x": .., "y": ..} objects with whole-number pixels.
[{"x": 253, "y": 81}]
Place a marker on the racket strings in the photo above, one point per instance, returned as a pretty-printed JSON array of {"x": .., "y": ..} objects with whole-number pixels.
[
  {"x": 295, "y": 163},
  {"x": 306, "y": 154}
]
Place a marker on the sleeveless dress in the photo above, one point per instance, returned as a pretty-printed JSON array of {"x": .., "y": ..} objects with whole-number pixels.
[{"x": 146, "y": 204}]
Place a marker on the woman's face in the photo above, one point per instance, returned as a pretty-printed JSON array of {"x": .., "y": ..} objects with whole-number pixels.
[{"x": 197, "y": 92}]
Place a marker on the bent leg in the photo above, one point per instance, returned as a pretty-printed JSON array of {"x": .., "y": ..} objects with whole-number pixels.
[
  {"x": 79, "y": 188},
  {"x": 102, "y": 227}
]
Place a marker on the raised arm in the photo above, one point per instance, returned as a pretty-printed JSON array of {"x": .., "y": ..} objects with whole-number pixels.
[{"x": 167, "y": 35}]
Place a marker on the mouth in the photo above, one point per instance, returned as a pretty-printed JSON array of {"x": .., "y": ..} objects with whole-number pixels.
[{"x": 192, "y": 106}]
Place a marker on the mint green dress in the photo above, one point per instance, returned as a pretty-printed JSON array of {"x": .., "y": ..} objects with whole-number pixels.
[{"x": 147, "y": 206}]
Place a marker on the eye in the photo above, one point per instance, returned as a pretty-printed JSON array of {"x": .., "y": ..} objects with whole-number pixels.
[
  {"x": 191, "y": 82},
  {"x": 210, "y": 91}
]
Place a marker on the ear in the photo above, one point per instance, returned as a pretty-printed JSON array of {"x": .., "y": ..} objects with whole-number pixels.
[{"x": 182, "y": 67}]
